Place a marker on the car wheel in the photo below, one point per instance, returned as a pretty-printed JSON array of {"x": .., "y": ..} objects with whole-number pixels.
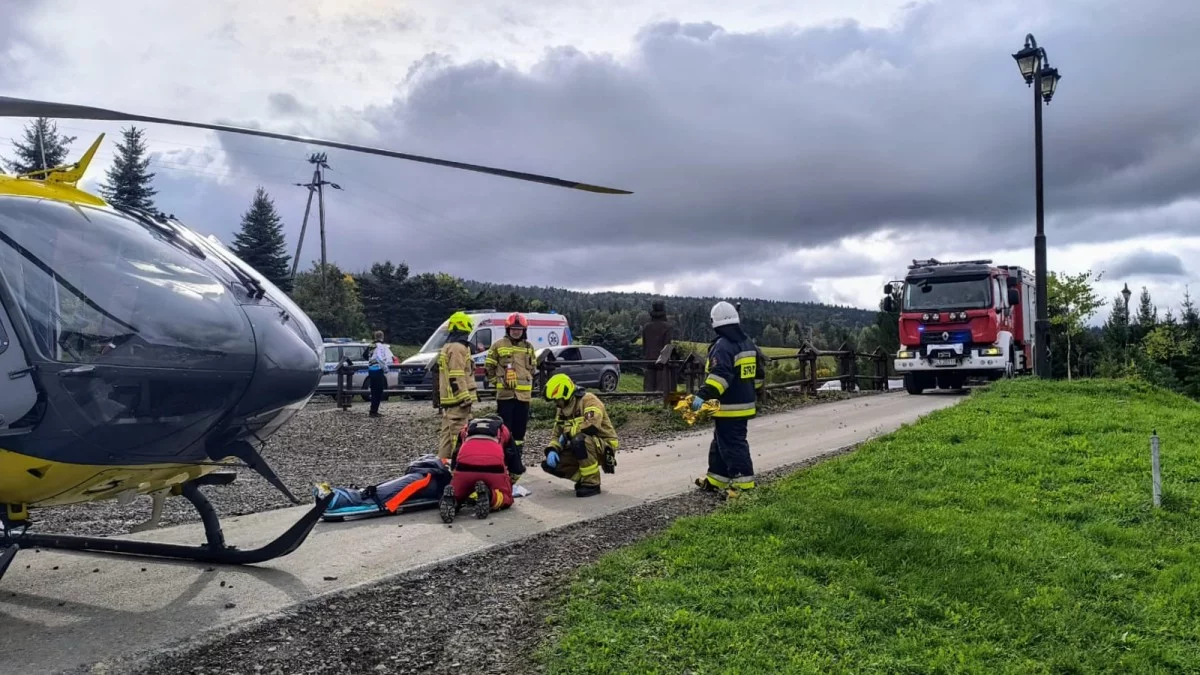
[{"x": 609, "y": 381}]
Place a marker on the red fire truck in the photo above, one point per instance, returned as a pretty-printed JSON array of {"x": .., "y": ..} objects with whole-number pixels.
[{"x": 963, "y": 321}]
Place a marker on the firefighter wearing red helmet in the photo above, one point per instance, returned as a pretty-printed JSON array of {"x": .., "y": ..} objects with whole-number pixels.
[{"x": 510, "y": 365}]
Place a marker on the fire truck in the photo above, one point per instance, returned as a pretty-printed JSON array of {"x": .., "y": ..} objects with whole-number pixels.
[{"x": 961, "y": 321}]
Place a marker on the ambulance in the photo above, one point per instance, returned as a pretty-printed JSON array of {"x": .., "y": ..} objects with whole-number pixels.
[{"x": 548, "y": 329}]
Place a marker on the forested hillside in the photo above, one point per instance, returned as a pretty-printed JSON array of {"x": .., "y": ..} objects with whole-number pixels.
[
  {"x": 408, "y": 308},
  {"x": 771, "y": 322}
]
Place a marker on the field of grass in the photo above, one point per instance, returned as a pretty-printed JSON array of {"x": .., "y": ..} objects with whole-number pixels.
[{"x": 1011, "y": 533}]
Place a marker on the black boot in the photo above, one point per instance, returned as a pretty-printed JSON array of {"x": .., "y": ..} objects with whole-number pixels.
[
  {"x": 447, "y": 505},
  {"x": 483, "y": 500},
  {"x": 586, "y": 490}
]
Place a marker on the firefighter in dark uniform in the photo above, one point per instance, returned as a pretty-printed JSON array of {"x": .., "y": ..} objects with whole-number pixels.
[{"x": 736, "y": 369}]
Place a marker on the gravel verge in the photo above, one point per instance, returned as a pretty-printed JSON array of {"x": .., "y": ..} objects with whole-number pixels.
[
  {"x": 484, "y": 614},
  {"x": 324, "y": 443}
]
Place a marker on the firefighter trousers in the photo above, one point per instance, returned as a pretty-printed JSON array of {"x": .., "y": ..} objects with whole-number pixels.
[
  {"x": 453, "y": 420},
  {"x": 496, "y": 478},
  {"x": 515, "y": 414},
  {"x": 583, "y": 470},
  {"x": 729, "y": 462}
]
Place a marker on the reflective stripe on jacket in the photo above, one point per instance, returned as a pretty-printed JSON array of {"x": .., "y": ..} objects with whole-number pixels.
[
  {"x": 521, "y": 355},
  {"x": 456, "y": 374},
  {"x": 733, "y": 370},
  {"x": 583, "y": 415}
]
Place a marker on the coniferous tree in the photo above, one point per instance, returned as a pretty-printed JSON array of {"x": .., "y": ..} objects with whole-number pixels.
[
  {"x": 261, "y": 244},
  {"x": 39, "y": 140},
  {"x": 129, "y": 180}
]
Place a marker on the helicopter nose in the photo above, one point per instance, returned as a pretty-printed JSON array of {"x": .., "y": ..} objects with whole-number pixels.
[{"x": 288, "y": 368}]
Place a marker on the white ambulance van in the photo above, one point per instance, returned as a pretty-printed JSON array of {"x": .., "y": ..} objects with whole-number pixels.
[{"x": 548, "y": 329}]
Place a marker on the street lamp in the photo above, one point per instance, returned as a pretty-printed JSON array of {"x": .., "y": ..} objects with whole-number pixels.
[
  {"x": 1035, "y": 68},
  {"x": 1125, "y": 292}
]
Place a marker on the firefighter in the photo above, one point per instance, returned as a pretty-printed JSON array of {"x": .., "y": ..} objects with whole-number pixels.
[
  {"x": 510, "y": 365},
  {"x": 456, "y": 382},
  {"x": 485, "y": 465},
  {"x": 585, "y": 441},
  {"x": 735, "y": 371}
]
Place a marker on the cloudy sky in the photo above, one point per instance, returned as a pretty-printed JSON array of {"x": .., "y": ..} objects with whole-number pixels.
[{"x": 775, "y": 149}]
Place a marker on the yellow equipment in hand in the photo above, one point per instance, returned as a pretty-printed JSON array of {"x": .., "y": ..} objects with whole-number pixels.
[{"x": 684, "y": 408}]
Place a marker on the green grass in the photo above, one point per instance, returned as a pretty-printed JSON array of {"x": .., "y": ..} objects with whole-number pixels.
[
  {"x": 630, "y": 382},
  {"x": 1012, "y": 533}
]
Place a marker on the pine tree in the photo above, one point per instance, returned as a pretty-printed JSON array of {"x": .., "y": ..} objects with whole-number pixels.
[
  {"x": 128, "y": 181},
  {"x": 41, "y": 139},
  {"x": 261, "y": 244}
]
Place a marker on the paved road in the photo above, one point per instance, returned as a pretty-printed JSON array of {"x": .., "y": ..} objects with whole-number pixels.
[{"x": 61, "y": 610}]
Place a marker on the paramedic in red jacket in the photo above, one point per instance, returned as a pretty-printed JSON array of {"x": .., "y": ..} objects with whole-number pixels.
[{"x": 485, "y": 453}]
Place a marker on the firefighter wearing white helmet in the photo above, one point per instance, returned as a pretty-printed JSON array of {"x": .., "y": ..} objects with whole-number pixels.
[{"x": 735, "y": 370}]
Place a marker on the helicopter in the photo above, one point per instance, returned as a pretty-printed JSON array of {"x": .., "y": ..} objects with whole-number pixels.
[{"x": 141, "y": 358}]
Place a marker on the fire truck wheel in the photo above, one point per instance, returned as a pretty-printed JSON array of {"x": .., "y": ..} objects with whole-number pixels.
[{"x": 912, "y": 385}]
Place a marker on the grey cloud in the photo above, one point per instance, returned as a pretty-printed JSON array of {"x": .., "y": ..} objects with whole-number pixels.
[
  {"x": 745, "y": 144},
  {"x": 281, "y": 103},
  {"x": 1143, "y": 263}
]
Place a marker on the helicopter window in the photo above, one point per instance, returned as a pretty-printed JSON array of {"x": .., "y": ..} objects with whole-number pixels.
[{"x": 97, "y": 286}]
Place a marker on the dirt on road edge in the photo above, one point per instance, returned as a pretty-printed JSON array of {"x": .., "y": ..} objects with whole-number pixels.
[{"x": 483, "y": 613}]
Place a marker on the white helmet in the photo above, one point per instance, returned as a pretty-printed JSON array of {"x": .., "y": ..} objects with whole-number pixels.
[{"x": 723, "y": 314}]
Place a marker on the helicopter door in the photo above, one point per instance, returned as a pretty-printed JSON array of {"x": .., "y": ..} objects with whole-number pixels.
[{"x": 18, "y": 394}]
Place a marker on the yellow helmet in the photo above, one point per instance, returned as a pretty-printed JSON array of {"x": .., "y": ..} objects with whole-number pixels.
[
  {"x": 460, "y": 321},
  {"x": 559, "y": 388}
]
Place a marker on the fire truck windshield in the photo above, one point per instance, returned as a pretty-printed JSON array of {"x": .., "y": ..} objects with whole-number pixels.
[{"x": 947, "y": 294}]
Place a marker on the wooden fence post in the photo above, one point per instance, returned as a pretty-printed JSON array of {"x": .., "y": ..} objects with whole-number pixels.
[
  {"x": 811, "y": 356},
  {"x": 881, "y": 369}
]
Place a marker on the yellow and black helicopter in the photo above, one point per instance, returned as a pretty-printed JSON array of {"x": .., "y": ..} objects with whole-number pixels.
[{"x": 140, "y": 358}]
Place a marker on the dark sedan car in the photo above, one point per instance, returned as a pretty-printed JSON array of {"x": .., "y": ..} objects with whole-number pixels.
[{"x": 574, "y": 361}]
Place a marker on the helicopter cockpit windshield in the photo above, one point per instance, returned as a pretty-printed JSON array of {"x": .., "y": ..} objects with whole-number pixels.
[{"x": 96, "y": 286}]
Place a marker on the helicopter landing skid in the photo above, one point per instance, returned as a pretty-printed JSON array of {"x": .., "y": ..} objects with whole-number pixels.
[
  {"x": 215, "y": 550},
  {"x": 6, "y": 557}
]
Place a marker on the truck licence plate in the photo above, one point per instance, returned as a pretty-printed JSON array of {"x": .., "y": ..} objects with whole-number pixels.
[{"x": 945, "y": 362}]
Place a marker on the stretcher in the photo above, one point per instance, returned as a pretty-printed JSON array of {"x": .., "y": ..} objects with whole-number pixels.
[{"x": 374, "y": 510}]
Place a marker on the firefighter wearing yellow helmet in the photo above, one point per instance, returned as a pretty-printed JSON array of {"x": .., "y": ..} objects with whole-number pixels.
[
  {"x": 456, "y": 382},
  {"x": 584, "y": 439}
]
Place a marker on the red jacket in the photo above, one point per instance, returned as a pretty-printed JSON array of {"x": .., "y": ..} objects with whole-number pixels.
[{"x": 479, "y": 452}]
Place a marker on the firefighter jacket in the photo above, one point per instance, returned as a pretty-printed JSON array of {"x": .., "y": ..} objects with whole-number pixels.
[
  {"x": 456, "y": 374},
  {"x": 735, "y": 369},
  {"x": 584, "y": 415},
  {"x": 520, "y": 356}
]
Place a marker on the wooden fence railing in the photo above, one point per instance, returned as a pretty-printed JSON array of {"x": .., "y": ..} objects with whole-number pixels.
[{"x": 685, "y": 375}]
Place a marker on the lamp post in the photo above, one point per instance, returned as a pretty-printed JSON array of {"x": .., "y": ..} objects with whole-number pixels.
[
  {"x": 1125, "y": 292},
  {"x": 1035, "y": 68}
]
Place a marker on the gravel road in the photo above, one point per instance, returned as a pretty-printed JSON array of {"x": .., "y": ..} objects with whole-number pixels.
[
  {"x": 323, "y": 443},
  {"x": 483, "y": 615}
]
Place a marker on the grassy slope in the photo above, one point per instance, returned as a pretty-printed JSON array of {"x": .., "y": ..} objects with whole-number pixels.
[{"x": 1012, "y": 533}]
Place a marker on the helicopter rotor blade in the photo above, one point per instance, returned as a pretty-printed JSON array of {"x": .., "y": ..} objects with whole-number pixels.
[{"x": 20, "y": 107}]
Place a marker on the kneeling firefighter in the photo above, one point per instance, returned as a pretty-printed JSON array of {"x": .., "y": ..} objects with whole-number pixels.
[
  {"x": 735, "y": 370},
  {"x": 485, "y": 465},
  {"x": 585, "y": 440}
]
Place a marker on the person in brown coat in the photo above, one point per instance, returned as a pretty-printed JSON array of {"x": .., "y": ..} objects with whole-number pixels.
[{"x": 656, "y": 334}]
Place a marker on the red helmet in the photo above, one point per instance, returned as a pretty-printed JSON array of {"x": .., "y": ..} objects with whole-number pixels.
[{"x": 516, "y": 319}]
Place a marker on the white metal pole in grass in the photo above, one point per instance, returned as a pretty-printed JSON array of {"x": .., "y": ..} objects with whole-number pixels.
[{"x": 1155, "y": 473}]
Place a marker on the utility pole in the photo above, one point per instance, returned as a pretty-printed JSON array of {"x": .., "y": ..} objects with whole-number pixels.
[{"x": 317, "y": 185}]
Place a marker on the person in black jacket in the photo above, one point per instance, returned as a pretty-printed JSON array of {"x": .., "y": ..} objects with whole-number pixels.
[{"x": 736, "y": 369}]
